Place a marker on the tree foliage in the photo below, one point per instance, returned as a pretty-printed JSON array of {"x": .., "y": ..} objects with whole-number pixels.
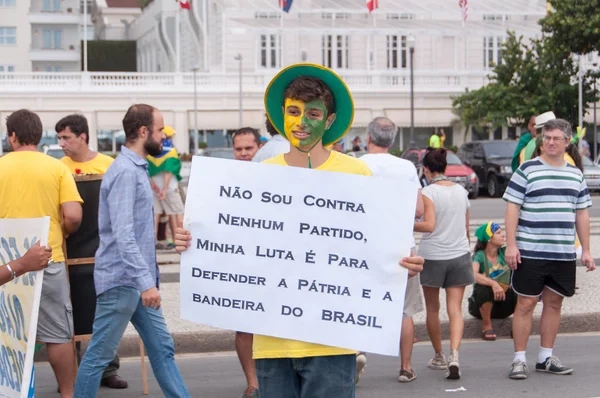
[
  {"x": 533, "y": 77},
  {"x": 574, "y": 25}
]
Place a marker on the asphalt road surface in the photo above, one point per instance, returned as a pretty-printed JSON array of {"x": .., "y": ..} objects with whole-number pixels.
[{"x": 484, "y": 369}]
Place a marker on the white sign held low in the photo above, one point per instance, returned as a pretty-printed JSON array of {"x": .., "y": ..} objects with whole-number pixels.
[
  {"x": 297, "y": 253},
  {"x": 19, "y": 307}
]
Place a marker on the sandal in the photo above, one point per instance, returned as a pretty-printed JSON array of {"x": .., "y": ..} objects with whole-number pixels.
[{"x": 488, "y": 335}]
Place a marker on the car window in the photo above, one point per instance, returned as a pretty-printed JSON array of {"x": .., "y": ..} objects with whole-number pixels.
[
  {"x": 500, "y": 149},
  {"x": 451, "y": 158},
  {"x": 413, "y": 157},
  {"x": 479, "y": 151},
  {"x": 465, "y": 150}
]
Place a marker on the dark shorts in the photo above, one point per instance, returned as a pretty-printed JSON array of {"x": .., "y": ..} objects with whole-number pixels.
[
  {"x": 453, "y": 272},
  {"x": 485, "y": 294},
  {"x": 532, "y": 276}
]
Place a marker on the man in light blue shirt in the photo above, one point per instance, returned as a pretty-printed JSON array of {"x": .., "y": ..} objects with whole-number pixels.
[{"x": 126, "y": 272}]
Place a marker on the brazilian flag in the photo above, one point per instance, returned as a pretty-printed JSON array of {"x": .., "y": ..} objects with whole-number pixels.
[{"x": 167, "y": 161}]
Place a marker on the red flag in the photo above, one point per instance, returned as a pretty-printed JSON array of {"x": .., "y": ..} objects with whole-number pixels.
[
  {"x": 185, "y": 4},
  {"x": 463, "y": 4},
  {"x": 372, "y": 5}
]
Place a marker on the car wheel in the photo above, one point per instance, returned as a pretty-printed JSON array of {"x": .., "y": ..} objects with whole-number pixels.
[{"x": 493, "y": 187}]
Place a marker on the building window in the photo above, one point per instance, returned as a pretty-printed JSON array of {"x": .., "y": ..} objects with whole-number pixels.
[
  {"x": 8, "y": 35},
  {"x": 8, "y": 3},
  {"x": 110, "y": 141},
  {"x": 267, "y": 15},
  {"x": 270, "y": 51},
  {"x": 495, "y": 17},
  {"x": 51, "y": 6},
  {"x": 492, "y": 51},
  {"x": 397, "y": 52},
  {"x": 52, "y": 69},
  {"x": 335, "y": 51},
  {"x": 399, "y": 16},
  {"x": 7, "y": 68},
  {"x": 52, "y": 39}
]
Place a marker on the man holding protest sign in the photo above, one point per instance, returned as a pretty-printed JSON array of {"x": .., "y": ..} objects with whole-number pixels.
[
  {"x": 311, "y": 106},
  {"x": 126, "y": 273},
  {"x": 35, "y": 185}
]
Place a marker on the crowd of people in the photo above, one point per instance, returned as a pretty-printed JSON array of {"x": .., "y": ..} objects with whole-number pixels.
[{"x": 510, "y": 269}]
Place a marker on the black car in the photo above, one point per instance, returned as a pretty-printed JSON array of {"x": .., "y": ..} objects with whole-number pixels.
[{"x": 491, "y": 162}]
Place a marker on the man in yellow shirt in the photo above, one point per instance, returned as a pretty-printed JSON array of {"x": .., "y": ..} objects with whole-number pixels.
[
  {"x": 74, "y": 138},
  {"x": 35, "y": 185},
  {"x": 317, "y": 111}
]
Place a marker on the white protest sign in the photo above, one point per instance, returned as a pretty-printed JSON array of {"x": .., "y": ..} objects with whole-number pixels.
[
  {"x": 19, "y": 306},
  {"x": 295, "y": 253}
]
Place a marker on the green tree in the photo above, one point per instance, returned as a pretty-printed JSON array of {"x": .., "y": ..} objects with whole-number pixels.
[
  {"x": 534, "y": 77},
  {"x": 574, "y": 25}
]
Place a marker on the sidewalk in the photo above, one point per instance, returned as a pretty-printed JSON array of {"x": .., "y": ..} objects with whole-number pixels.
[{"x": 581, "y": 313}]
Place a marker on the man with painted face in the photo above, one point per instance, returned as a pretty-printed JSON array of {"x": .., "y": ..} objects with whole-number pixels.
[{"x": 312, "y": 107}]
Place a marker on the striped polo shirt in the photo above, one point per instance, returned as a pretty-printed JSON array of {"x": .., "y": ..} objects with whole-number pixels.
[{"x": 549, "y": 198}]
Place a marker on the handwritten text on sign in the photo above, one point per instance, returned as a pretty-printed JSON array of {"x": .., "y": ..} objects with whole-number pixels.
[
  {"x": 296, "y": 253},
  {"x": 19, "y": 305}
]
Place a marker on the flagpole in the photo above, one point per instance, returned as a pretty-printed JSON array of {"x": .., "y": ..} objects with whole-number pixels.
[
  {"x": 85, "y": 40},
  {"x": 178, "y": 40}
]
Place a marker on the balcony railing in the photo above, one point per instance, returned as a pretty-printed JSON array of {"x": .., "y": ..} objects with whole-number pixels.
[{"x": 106, "y": 82}]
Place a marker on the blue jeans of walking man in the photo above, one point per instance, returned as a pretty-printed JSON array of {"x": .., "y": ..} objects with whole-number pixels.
[{"x": 114, "y": 309}]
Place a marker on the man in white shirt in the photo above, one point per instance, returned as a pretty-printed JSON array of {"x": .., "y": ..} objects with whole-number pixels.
[
  {"x": 277, "y": 145},
  {"x": 381, "y": 134}
]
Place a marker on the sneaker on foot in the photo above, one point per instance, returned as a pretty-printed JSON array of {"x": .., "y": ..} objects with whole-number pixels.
[
  {"x": 453, "y": 372},
  {"x": 518, "y": 371},
  {"x": 251, "y": 392},
  {"x": 553, "y": 365},
  {"x": 438, "y": 362},
  {"x": 361, "y": 363},
  {"x": 406, "y": 376}
]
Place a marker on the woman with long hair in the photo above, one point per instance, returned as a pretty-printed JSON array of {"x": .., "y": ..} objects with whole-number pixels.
[
  {"x": 445, "y": 248},
  {"x": 492, "y": 296}
]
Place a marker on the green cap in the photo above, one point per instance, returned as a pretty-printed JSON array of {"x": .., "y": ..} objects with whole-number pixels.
[{"x": 344, "y": 104}]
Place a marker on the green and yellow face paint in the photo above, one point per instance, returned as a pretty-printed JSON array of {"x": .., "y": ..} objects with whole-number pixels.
[{"x": 305, "y": 123}]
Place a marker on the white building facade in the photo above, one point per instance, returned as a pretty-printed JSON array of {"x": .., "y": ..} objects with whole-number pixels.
[{"x": 225, "y": 39}]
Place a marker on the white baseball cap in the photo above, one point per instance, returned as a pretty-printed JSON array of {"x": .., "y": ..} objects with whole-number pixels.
[{"x": 544, "y": 118}]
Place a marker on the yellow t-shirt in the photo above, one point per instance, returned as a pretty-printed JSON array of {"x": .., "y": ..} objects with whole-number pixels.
[
  {"x": 35, "y": 185},
  {"x": 98, "y": 165},
  {"x": 274, "y": 347}
]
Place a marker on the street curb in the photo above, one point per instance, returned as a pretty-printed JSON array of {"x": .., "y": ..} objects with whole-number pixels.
[{"x": 224, "y": 340}]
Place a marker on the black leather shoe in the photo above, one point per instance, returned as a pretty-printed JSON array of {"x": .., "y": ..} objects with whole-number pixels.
[{"x": 114, "y": 382}]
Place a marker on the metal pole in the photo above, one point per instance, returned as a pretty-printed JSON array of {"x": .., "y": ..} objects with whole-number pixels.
[
  {"x": 580, "y": 95},
  {"x": 412, "y": 100},
  {"x": 196, "y": 145},
  {"x": 85, "y": 47},
  {"x": 595, "y": 127},
  {"x": 241, "y": 103}
]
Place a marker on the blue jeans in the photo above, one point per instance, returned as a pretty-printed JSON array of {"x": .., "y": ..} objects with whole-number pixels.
[
  {"x": 312, "y": 377},
  {"x": 114, "y": 309}
]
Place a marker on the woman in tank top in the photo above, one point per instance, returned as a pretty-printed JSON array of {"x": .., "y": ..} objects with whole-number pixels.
[{"x": 446, "y": 250}]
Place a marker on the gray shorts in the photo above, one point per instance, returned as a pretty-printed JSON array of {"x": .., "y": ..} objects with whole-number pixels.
[
  {"x": 413, "y": 299},
  {"x": 448, "y": 273},
  {"x": 171, "y": 205},
  {"x": 55, "y": 322}
]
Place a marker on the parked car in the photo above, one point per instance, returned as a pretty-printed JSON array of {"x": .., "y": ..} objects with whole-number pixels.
[
  {"x": 591, "y": 173},
  {"x": 491, "y": 161},
  {"x": 456, "y": 170},
  {"x": 54, "y": 150}
]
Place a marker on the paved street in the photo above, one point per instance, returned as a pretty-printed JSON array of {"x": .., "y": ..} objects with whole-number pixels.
[{"x": 484, "y": 369}]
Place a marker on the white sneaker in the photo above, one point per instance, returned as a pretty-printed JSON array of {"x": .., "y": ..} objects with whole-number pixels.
[
  {"x": 361, "y": 364},
  {"x": 453, "y": 372}
]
